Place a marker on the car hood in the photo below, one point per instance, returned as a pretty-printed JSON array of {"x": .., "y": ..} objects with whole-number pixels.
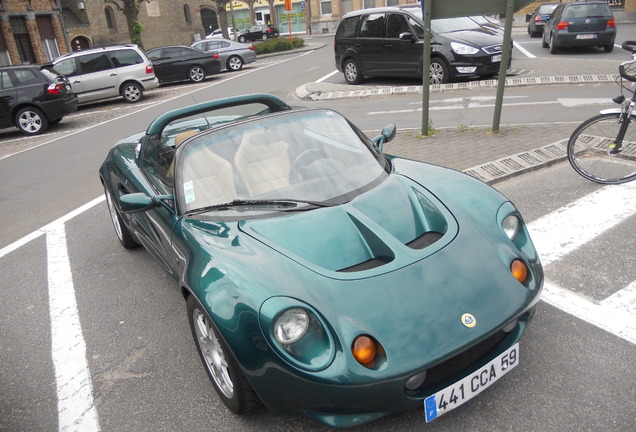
[
  {"x": 366, "y": 236},
  {"x": 411, "y": 301},
  {"x": 478, "y": 37}
]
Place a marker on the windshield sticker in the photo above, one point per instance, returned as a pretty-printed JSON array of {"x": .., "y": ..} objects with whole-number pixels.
[{"x": 188, "y": 191}]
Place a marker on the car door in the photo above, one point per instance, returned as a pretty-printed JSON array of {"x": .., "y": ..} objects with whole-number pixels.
[
  {"x": 370, "y": 43},
  {"x": 98, "y": 76},
  {"x": 221, "y": 48},
  {"x": 70, "y": 69},
  {"x": 402, "y": 56},
  {"x": 167, "y": 63}
]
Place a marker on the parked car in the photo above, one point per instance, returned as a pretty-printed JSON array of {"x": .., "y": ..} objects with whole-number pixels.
[
  {"x": 580, "y": 24},
  {"x": 233, "y": 55},
  {"x": 181, "y": 63},
  {"x": 360, "y": 283},
  {"x": 218, "y": 33},
  {"x": 258, "y": 32},
  {"x": 33, "y": 97},
  {"x": 106, "y": 72},
  {"x": 389, "y": 42},
  {"x": 537, "y": 19}
]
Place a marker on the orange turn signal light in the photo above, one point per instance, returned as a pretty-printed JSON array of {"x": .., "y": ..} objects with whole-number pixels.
[
  {"x": 364, "y": 349},
  {"x": 519, "y": 270}
]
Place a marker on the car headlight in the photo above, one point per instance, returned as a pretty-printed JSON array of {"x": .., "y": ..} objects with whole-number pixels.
[
  {"x": 298, "y": 333},
  {"x": 510, "y": 225},
  {"x": 291, "y": 326},
  {"x": 461, "y": 48}
]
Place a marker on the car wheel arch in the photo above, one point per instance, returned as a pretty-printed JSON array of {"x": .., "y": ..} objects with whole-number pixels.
[{"x": 129, "y": 83}]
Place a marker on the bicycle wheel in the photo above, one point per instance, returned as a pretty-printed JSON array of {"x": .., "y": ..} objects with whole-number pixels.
[{"x": 590, "y": 150}]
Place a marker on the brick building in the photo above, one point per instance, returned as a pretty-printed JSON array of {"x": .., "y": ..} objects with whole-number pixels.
[{"x": 30, "y": 31}]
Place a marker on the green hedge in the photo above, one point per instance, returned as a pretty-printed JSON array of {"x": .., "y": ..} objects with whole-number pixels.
[{"x": 278, "y": 44}]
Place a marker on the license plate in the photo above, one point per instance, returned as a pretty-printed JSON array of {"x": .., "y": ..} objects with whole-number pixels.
[
  {"x": 462, "y": 391},
  {"x": 496, "y": 58},
  {"x": 586, "y": 36}
]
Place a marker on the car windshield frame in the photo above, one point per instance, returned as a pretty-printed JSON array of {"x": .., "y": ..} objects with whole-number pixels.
[{"x": 258, "y": 160}]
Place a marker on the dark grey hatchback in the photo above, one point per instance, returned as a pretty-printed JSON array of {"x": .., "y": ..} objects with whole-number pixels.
[
  {"x": 33, "y": 97},
  {"x": 389, "y": 42},
  {"x": 584, "y": 23}
]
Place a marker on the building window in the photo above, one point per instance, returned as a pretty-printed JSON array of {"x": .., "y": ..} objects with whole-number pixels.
[
  {"x": 186, "y": 14},
  {"x": 392, "y": 2},
  {"x": 5, "y": 59},
  {"x": 47, "y": 35},
  {"x": 325, "y": 7},
  {"x": 110, "y": 19},
  {"x": 369, "y": 4}
]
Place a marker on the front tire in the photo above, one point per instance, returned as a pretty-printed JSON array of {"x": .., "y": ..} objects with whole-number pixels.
[
  {"x": 132, "y": 92},
  {"x": 352, "y": 73},
  {"x": 439, "y": 73},
  {"x": 234, "y": 63},
  {"x": 31, "y": 121},
  {"x": 223, "y": 370},
  {"x": 196, "y": 74},
  {"x": 241, "y": 39},
  {"x": 123, "y": 234},
  {"x": 590, "y": 150}
]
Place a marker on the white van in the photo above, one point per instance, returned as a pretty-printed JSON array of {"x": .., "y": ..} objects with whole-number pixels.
[{"x": 106, "y": 72}]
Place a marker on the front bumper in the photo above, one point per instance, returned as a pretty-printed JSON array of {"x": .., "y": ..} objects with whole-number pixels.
[{"x": 345, "y": 405}]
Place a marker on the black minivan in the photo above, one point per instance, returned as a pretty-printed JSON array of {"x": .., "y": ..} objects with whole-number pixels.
[{"x": 389, "y": 42}]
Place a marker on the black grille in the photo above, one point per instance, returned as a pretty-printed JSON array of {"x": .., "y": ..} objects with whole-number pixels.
[
  {"x": 493, "y": 49},
  {"x": 461, "y": 361},
  {"x": 492, "y": 68},
  {"x": 367, "y": 265},
  {"x": 424, "y": 240}
]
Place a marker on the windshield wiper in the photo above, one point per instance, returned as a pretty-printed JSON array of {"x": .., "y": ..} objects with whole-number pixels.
[{"x": 283, "y": 202}]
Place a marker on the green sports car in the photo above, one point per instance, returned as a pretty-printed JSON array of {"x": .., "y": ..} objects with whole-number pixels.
[{"x": 321, "y": 275}]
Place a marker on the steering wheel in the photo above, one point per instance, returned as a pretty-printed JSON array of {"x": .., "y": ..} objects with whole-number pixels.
[{"x": 301, "y": 165}]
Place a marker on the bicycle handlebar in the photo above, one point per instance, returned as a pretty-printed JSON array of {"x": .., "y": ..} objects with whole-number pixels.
[{"x": 629, "y": 46}]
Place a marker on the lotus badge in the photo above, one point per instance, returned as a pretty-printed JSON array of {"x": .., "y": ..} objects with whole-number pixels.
[{"x": 468, "y": 320}]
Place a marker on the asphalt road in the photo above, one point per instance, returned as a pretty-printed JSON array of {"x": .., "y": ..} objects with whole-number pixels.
[{"x": 141, "y": 367}]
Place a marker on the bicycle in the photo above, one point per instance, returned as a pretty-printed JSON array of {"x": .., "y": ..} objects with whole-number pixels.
[{"x": 603, "y": 148}]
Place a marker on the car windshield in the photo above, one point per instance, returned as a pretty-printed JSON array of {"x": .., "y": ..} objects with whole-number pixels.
[
  {"x": 446, "y": 25},
  {"x": 286, "y": 161},
  {"x": 586, "y": 11}
]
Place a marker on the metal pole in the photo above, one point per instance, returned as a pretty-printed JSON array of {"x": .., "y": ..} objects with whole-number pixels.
[
  {"x": 503, "y": 67},
  {"x": 426, "y": 63}
]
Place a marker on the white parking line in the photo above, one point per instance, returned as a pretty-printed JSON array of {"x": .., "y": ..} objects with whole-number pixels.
[
  {"x": 568, "y": 228},
  {"x": 76, "y": 410}
]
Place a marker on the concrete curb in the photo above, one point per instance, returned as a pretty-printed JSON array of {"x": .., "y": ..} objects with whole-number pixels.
[
  {"x": 317, "y": 94},
  {"x": 520, "y": 163}
]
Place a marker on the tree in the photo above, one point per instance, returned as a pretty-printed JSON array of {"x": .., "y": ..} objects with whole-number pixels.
[{"x": 130, "y": 9}]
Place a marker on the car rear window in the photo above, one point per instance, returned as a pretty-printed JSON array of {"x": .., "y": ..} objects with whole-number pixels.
[
  {"x": 546, "y": 9},
  {"x": 126, "y": 57},
  {"x": 348, "y": 28},
  {"x": 26, "y": 76},
  {"x": 587, "y": 11}
]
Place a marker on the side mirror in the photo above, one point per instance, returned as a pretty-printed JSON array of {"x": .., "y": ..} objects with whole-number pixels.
[
  {"x": 406, "y": 36},
  {"x": 137, "y": 202},
  {"x": 388, "y": 133}
]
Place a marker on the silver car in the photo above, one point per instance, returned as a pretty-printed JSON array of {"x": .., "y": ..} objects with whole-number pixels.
[{"x": 233, "y": 55}]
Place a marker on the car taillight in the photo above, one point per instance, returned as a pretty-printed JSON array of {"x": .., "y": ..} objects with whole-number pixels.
[
  {"x": 149, "y": 69},
  {"x": 538, "y": 18},
  {"x": 251, "y": 47},
  {"x": 54, "y": 88},
  {"x": 611, "y": 23},
  {"x": 215, "y": 56},
  {"x": 562, "y": 25}
]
